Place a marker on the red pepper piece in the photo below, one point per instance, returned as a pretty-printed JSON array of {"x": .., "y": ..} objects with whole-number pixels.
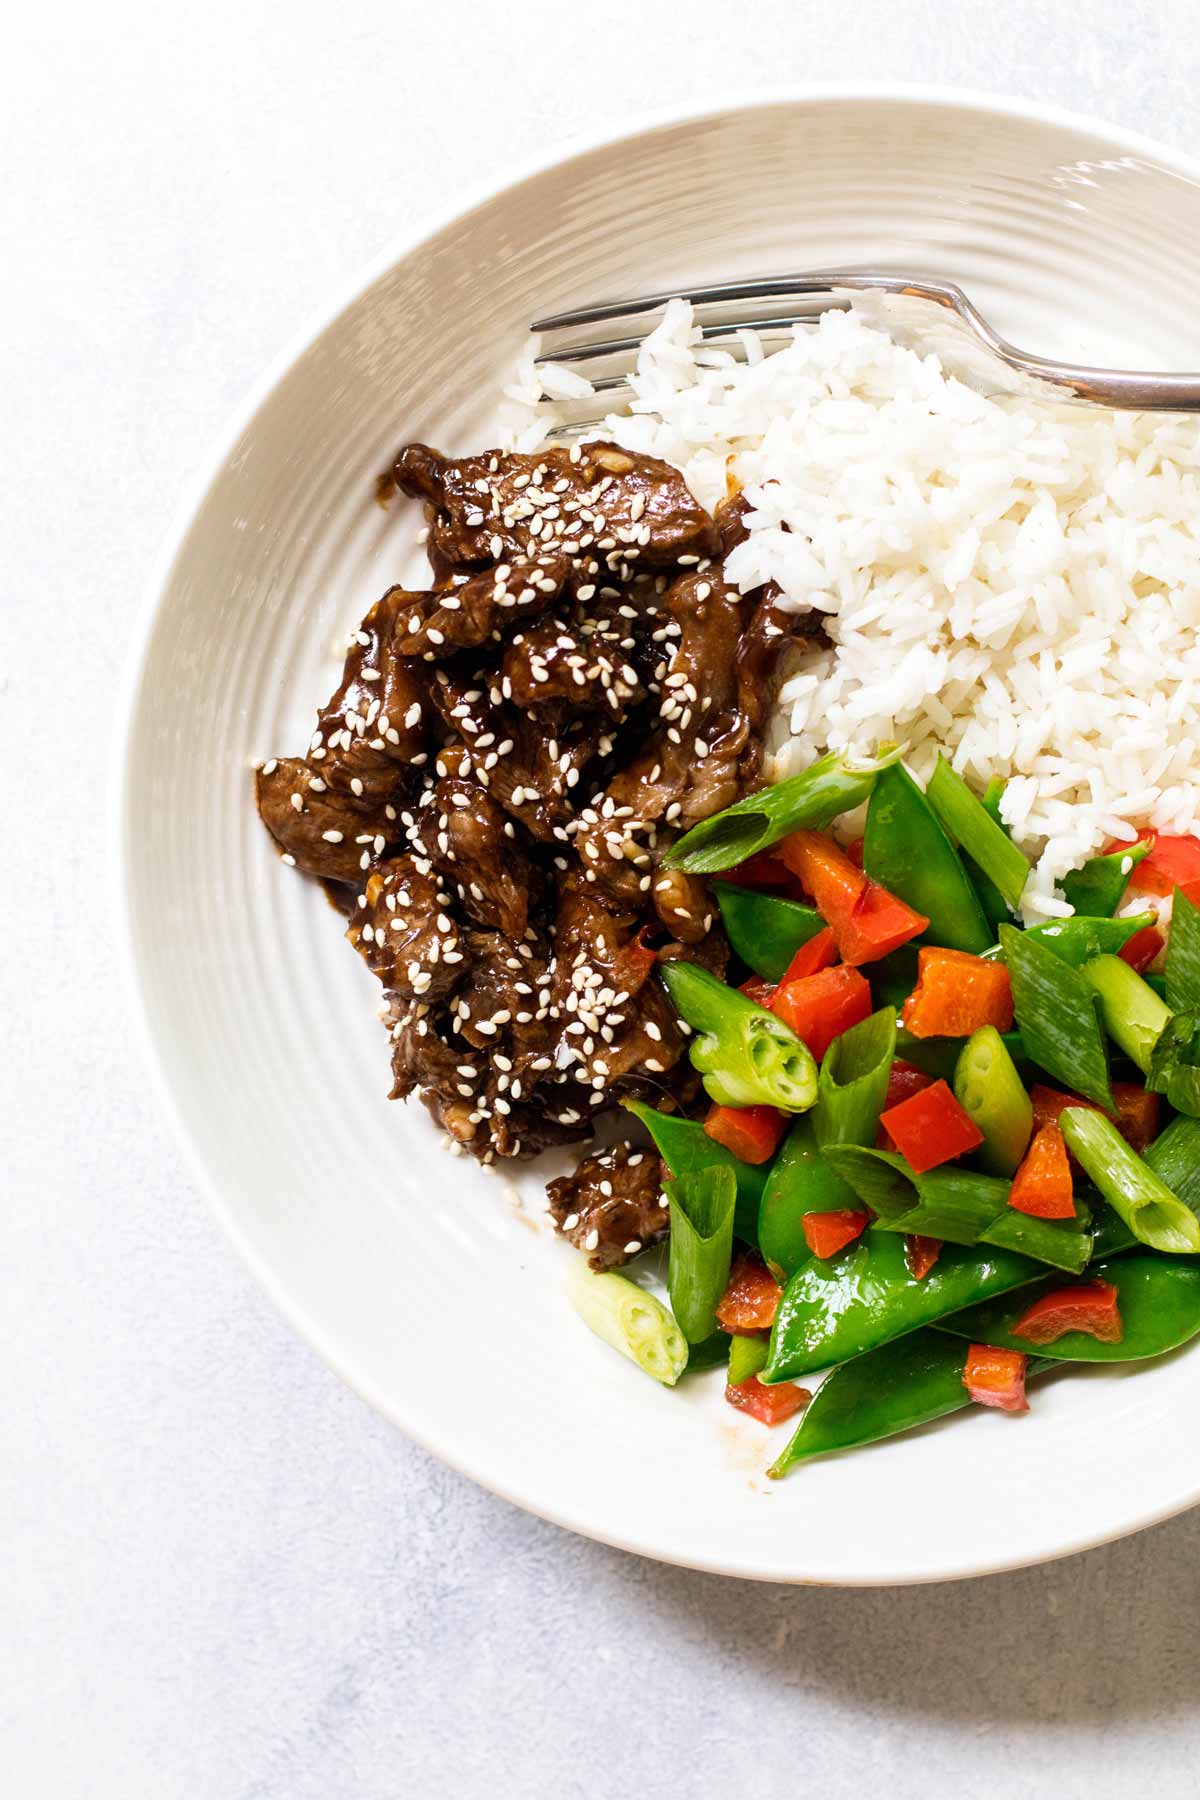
[
  {"x": 751, "y": 1299},
  {"x": 920, "y": 1253},
  {"x": 752, "y": 1133},
  {"x": 820, "y": 1007},
  {"x": 1042, "y": 1186},
  {"x": 758, "y": 989},
  {"x": 819, "y": 953},
  {"x": 879, "y": 924},
  {"x": 1136, "y": 1118},
  {"x": 772, "y": 1405},
  {"x": 854, "y": 851},
  {"x": 930, "y": 1128},
  {"x": 828, "y": 1232},
  {"x": 1140, "y": 950},
  {"x": 996, "y": 1377},
  {"x": 956, "y": 994},
  {"x": 763, "y": 871},
  {"x": 866, "y": 920},
  {"x": 1173, "y": 862},
  {"x": 904, "y": 1080},
  {"x": 1093, "y": 1306}
]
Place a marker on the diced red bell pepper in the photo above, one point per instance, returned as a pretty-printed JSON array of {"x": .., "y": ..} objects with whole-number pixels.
[
  {"x": 995, "y": 1377},
  {"x": 1136, "y": 1118},
  {"x": 1173, "y": 862},
  {"x": 904, "y": 1080},
  {"x": 820, "y": 1007},
  {"x": 751, "y": 1299},
  {"x": 879, "y": 924},
  {"x": 920, "y": 1253},
  {"x": 1042, "y": 1186},
  {"x": 771, "y": 1405},
  {"x": 752, "y": 1133},
  {"x": 828, "y": 1232},
  {"x": 1093, "y": 1306},
  {"x": 956, "y": 994},
  {"x": 758, "y": 989},
  {"x": 867, "y": 921},
  {"x": 855, "y": 850},
  {"x": 819, "y": 953},
  {"x": 1140, "y": 950},
  {"x": 763, "y": 871},
  {"x": 930, "y": 1128}
]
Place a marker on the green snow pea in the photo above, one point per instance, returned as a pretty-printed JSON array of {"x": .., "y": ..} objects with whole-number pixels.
[
  {"x": 1078, "y": 940},
  {"x": 889, "y": 1390},
  {"x": 799, "y": 1181},
  {"x": 686, "y": 1148},
  {"x": 1158, "y": 1299},
  {"x": 764, "y": 930},
  {"x": 1098, "y": 888},
  {"x": 907, "y": 848},
  {"x": 833, "y": 1311}
]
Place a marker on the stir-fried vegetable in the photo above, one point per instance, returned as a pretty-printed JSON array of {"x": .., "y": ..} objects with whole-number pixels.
[
  {"x": 1078, "y": 940},
  {"x": 746, "y": 1055},
  {"x": 818, "y": 1008},
  {"x": 1152, "y": 1212},
  {"x": 977, "y": 833},
  {"x": 1099, "y": 887},
  {"x": 1056, "y": 1013},
  {"x": 686, "y": 1148},
  {"x": 632, "y": 1321},
  {"x": 990, "y": 1092},
  {"x": 908, "y": 851},
  {"x": 765, "y": 930},
  {"x": 1133, "y": 1014},
  {"x": 1183, "y": 956},
  {"x": 701, "y": 1213},
  {"x": 809, "y": 801},
  {"x": 1129, "y": 1308}
]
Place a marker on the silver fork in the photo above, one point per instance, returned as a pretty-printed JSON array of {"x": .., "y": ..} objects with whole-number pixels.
[{"x": 929, "y": 315}]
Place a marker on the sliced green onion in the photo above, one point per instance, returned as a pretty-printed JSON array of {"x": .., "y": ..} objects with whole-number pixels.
[
  {"x": 958, "y": 1205},
  {"x": 747, "y": 1356},
  {"x": 701, "y": 1246},
  {"x": 805, "y": 802},
  {"x": 907, "y": 849},
  {"x": 685, "y": 1146},
  {"x": 763, "y": 929},
  {"x": 988, "y": 1088},
  {"x": 1133, "y": 1014},
  {"x": 745, "y": 1055},
  {"x": 632, "y": 1321},
  {"x": 1078, "y": 940},
  {"x": 1099, "y": 887},
  {"x": 1056, "y": 1012},
  {"x": 976, "y": 832},
  {"x": 853, "y": 1081},
  {"x": 1152, "y": 1212},
  {"x": 1174, "y": 1157},
  {"x": 1175, "y": 1063},
  {"x": 1183, "y": 955}
]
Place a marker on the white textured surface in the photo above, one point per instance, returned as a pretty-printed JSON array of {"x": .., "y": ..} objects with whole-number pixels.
[{"x": 223, "y": 1576}]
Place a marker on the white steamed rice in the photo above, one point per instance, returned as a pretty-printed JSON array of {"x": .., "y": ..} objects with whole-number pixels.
[{"x": 1015, "y": 584}]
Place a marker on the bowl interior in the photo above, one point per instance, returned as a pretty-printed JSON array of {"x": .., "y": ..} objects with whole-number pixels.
[{"x": 434, "y": 1287}]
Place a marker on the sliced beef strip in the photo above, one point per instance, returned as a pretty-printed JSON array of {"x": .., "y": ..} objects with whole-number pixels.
[
  {"x": 436, "y": 625},
  {"x": 378, "y": 718},
  {"x": 589, "y": 660},
  {"x": 328, "y": 833},
  {"x": 613, "y": 1205},
  {"x": 615, "y": 1020},
  {"x": 530, "y": 767},
  {"x": 608, "y": 507},
  {"x": 688, "y": 767},
  {"x": 475, "y": 847},
  {"x": 405, "y": 931}
]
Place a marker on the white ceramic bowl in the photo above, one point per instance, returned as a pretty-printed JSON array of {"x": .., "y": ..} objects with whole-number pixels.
[{"x": 420, "y": 1278}]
